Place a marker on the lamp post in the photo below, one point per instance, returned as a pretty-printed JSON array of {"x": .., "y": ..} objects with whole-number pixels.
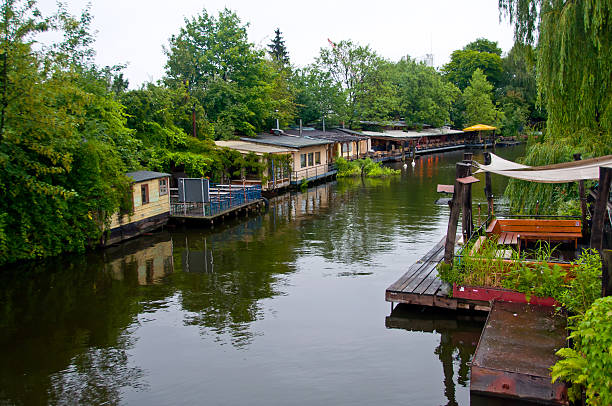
[{"x": 277, "y": 125}]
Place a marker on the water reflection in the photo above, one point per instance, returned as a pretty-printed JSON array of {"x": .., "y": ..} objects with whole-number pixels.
[
  {"x": 145, "y": 260},
  {"x": 459, "y": 335},
  {"x": 263, "y": 308}
]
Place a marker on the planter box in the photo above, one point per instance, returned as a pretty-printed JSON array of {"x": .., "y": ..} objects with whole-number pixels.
[{"x": 485, "y": 294}]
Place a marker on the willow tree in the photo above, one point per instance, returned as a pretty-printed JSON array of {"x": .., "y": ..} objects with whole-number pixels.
[{"x": 574, "y": 85}]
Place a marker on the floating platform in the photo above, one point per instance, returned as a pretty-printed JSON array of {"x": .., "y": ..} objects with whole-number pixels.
[
  {"x": 516, "y": 350},
  {"x": 518, "y": 343},
  {"x": 420, "y": 285},
  {"x": 198, "y": 213}
]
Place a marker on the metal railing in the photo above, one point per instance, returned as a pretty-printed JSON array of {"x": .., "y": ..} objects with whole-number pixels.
[
  {"x": 223, "y": 198},
  {"x": 312, "y": 172}
]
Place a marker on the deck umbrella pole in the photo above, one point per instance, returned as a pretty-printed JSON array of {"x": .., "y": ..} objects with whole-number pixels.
[
  {"x": 467, "y": 223},
  {"x": 597, "y": 227},
  {"x": 461, "y": 171},
  {"x": 583, "y": 202},
  {"x": 488, "y": 190}
]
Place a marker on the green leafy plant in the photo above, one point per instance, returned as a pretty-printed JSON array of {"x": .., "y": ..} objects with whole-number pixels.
[
  {"x": 589, "y": 363},
  {"x": 585, "y": 287}
]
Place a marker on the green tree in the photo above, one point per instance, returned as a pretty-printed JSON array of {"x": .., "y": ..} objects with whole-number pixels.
[
  {"x": 483, "y": 45},
  {"x": 479, "y": 108},
  {"x": 220, "y": 68},
  {"x": 475, "y": 55},
  {"x": 424, "y": 96},
  {"x": 317, "y": 95},
  {"x": 61, "y": 174},
  {"x": 518, "y": 83},
  {"x": 355, "y": 70},
  {"x": 278, "y": 50},
  {"x": 574, "y": 60}
]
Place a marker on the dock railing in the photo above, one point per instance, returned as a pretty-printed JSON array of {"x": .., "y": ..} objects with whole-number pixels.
[
  {"x": 223, "y": 198},
  {"x": 312, "y": 173}
]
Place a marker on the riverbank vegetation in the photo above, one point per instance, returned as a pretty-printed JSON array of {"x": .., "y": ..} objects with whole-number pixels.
[
  {"x": 574, "y": 60},
  {"x": 363, "y": 167}
]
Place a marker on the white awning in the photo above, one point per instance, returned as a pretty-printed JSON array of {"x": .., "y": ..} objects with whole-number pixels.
[{"x": 558, "y": 173}]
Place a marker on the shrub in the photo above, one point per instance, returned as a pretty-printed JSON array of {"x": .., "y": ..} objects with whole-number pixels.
[{"x": 589, "y": 363}]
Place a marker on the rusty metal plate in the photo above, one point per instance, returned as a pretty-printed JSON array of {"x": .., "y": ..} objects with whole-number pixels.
[{"x": 515, "y": 352}]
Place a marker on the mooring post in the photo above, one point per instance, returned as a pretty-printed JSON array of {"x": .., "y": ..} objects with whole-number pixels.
[
  {"x": 461, "y": 171},
  {"x": 583, "y": 201},
  {"x": 488, "y": 190},
  {"x": 467, "y": 157},
  {"x": 467, "y": 223},
  {"x": 597, "y": 227}
]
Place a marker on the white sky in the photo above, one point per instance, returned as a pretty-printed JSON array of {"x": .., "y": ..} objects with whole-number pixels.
[{"x": 132, "y": 32}]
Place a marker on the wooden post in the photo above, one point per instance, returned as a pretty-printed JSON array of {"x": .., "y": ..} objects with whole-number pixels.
[
  {"x": 461, "y": 171},
  {"x": 488, "y": 191},
  {"x": 467, "y": 223},
  {"x": 597, "y": 225},
  {"x": 467, "y": 157},
  {"x": 583, "y": 201}
]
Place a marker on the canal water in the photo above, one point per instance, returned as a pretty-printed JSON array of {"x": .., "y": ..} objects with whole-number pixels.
[{"x": 283, "y": 308}]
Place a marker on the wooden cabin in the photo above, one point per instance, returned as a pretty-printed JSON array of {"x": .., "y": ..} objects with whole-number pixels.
[
  {"x": 347, "y": 144},
  {"x": 151, "y": 202},
  {"x": 277, "y": 176},
  {"x": 310, "y": 156}
]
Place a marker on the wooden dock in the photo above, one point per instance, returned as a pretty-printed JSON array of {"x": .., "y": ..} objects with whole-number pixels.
[
  {"x": 420, "y": 285},
  {"x": 518, "y": 343},
  {"x": 516, "y": 350}
]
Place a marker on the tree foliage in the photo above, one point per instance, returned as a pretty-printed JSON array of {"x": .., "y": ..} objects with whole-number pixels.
[
  {"x": 424, "y": 97},
  {"x": 278, "y": 50},
  {"x": 221, "y": 70},
  {"x": 479, "y": 107},
  {"x": 574, "y": 60},
  {"x": 61, "y": 138},
  {"x": 481, "y": 54}
]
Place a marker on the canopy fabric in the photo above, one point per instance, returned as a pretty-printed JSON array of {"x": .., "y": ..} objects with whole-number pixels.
[
  {"x": 480, "y": 127},
  {"x": 558, "y": 173}
]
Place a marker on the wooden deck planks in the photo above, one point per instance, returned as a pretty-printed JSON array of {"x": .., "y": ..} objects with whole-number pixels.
[{"x": 420, "y": 283}]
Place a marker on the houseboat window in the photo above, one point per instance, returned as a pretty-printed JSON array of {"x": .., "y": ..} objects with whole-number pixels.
[
  {"x": 302, "y": 160},
  {"x": 144, "y": 194},
  {"x": 347, "y": 147},
  {"x": 317, "y": 158},
  {"x": 163, "y": 187},
  {"x": 310, "y": 159}
]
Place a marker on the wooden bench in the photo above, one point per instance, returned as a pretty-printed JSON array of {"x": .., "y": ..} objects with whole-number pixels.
[{"x": 513, "y": 231}]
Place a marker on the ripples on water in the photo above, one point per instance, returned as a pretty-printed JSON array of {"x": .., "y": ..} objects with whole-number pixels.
[{"x": 282, "y": 308}]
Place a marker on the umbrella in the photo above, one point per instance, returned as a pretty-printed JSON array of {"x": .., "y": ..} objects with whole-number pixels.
[{"x": 480, "y": 127}]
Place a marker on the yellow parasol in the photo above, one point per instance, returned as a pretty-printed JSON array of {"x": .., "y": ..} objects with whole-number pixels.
[{"x": 480, "y": 127}]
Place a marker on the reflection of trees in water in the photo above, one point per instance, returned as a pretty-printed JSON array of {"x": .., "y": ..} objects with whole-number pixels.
[
  {"x": 96, "y": 376},
  {"x": 63, "y": 330},
  {"x": 459, "y": 335},
  {"x": 226, "y": 276}
]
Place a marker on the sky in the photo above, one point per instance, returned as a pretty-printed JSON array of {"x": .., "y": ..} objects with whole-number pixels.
[{"x": 133, "y": 32}]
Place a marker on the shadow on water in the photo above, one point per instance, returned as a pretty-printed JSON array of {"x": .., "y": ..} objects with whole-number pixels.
[{"x": 459, "y": 335}]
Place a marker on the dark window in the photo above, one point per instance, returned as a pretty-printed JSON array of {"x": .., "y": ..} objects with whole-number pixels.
[
  {"x": 317, "y": 158},
  {"x": 144, "y": 194},
  {"x": 310, "y": 159},
  {"x": 302, "y": 160}
]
